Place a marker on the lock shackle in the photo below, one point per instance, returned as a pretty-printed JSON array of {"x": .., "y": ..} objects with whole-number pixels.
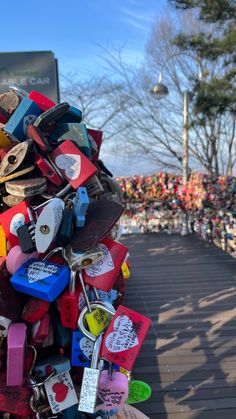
[
  {"x": 53, "y": 252},
  {"x": 96, "y": 350},
  {"x": 84, "y": 292},
  {"x": 20, "y": 92},
  {"x": 93, "y": 305},
  {"x": 58, "y": 195},
  {"x": 72, "y": 282}
]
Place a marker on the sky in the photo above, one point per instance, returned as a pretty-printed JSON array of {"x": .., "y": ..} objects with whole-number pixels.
[{"x": 76, "y": 29}]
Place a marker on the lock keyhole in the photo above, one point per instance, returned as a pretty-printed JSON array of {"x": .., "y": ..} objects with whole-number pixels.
[
  {"x": 12, "y": 159},
  {"x": 44, "y": 229}
]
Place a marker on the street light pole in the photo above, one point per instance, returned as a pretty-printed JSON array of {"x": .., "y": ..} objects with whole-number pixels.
[{"x": 185, "y": 139}]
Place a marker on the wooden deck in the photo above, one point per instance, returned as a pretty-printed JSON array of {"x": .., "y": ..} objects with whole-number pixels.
[{"x": 188, "y": 289}]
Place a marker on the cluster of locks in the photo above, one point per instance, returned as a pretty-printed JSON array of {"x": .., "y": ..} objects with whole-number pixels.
[
  {"x": 160, "y": 203},
  {"x": 68, "y": 345}
]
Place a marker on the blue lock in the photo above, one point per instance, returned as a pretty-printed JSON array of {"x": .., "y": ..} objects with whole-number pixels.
[
  {"x": 80, "y": 202},
  {"x": 42, "y": 279},
  {"x": 25, "y": 114},
  {"x": 82, "y": 350},
  {"x": 109, "y": 296},
  {"x": 56, "y": 363}
]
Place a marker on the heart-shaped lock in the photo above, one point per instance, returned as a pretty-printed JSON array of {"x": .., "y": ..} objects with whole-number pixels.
[{"x": 113, "y": 390}]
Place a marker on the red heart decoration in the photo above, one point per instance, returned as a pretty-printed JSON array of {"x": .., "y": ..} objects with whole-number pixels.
[{"x": 60, "y": 391}]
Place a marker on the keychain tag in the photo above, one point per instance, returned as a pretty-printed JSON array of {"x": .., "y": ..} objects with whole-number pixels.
[
  {"x": 60, "y": 392},
  {"x": 48, "y": 224},
  {"x": 103, "y": 273},
  {"x": 139, "y": 392},
  {"x": 124, "y": 337},
  {"x": 72, "y": 163},
  {"x": 113, "y": 389}
]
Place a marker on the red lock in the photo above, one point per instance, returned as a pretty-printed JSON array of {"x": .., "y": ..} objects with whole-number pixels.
[
  {"x": 103, "y": 273},
  {"x": 71, "y": 304},
  {"x": 72, "y": 163},
  {"x": 42, "y": 101},
  {"x": 34, "y": 310},
  {"x": 97, "y": 137},
  {"x": 124, "y": 337},
  {"x": 40, "y": 330},
  {"x": 48, "y": 170},
  {"x": 12, "y": 219}
]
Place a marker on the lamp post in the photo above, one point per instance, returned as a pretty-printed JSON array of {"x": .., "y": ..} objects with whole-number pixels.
[{"x": 161, "y": 90}]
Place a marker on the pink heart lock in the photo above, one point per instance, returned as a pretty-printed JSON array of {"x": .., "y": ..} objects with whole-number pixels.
[{"x": 113, "y": 390}]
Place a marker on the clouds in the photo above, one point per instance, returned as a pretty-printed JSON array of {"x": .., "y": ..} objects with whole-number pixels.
[{"x": 137, "y": 15}]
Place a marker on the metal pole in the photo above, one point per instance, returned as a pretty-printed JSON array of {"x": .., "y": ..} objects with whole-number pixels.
[
  {"x": 185, "y": 139},
  {"x": 184, "y": 231}
]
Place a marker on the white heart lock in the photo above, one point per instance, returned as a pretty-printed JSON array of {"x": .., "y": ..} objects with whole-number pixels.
[
  {"x": 70, "y": 163},
  {"x": 39, "y": 270}
]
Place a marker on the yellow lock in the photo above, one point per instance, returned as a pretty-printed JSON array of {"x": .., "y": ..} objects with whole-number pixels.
[
  {"x": 3, "y": 242},
  {"x": 125, "y": 270},
  {"x": 4, "y": 139},
  {"x": 97, "y": 321}
]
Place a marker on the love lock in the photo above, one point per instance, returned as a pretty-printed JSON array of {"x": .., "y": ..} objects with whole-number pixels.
[{"x": 95, "y": 305}]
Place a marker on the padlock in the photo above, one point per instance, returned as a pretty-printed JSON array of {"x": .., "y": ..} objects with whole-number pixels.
[
  {"x": 51, "y": 115},
  {"x": 60, "y": 392},
  {"x": 40, "y": 278},
  {"x": 97, "y": 137},
  {"x": 72, "y": 163},
  {"x": 100, "y": 219},
  {"x": 56, "y": 363},
  {"x": 16, "y": 258},
  {"x": 3, "y": 242},
  {"x": 15, "y": 157},
  {"x": 9, "y": 101},
  {"x": 35, "y": 134},
  {"x": 11, "y": 302},
  {"x": 26, "y": 235},
  {"x": 71, "y": 303},
  {"x": 94, "y": 187},
  {"x": 48, "y": 224},
  {"x": 17, "y": 174},
  {"x": 125, "y": 270},
  {"x": 80, "y": 260},
  {"x": 43, "y": 102},
  {"x": 89, "y": 387},
  {"x": 34, "y": 310},
  {"x": 40, "y": 330},
  {"x": 48, "y": 170},
  {"x": 12, "y": 219},
  {"x": 26, "y": 187},
  {"x": 87, "y": 311},
  {"x": 112, "y": 389},
  {"x": 109, "y": 296},
  {"x": 16, "y": 340},
  {"x": 66, "y": 228},
  {"x": 103, "y": 273},
  {"x": 11, "y": 200},
  {"x": 72, "y": 115},
  {"x": 81, "y": 350},
  {"x": 75, "y": 132},
  {"x": 25, "y": 114},
  {"x": 133, "y": 327},
  {"x": 80, "y": 205},
  {"x": 5, "y": 139}
]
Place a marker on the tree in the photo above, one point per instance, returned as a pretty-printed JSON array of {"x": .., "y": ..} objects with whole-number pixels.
[{"x": 217, "y": 94}]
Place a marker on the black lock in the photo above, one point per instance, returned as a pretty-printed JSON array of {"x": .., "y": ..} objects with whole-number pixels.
[
  {"x": 66, "y": 228},
  {"x": 26, "y": 236}
]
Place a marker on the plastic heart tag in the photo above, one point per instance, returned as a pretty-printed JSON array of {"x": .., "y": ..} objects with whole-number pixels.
[
  {"x": 112, "y": 391},
  {"x": 124, "y": 337},
  {"x": 138, "y": 392},
  {"x": 60, "y": 392}
]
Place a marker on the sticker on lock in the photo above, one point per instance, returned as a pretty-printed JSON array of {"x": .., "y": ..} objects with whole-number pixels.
[
  {"x": 60, "y": 392},
  {"x": 82, "y": 350},
  {"x": 103, "y": 273},
  {"x": 124, "y": 337},
  {"x": 98, "y": 320}
]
